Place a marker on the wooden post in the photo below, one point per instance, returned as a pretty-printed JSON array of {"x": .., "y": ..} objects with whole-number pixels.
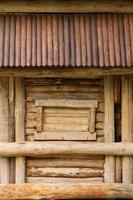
[
  {"x": 4, "y": 127},
  {"x": 109, "y": 171},
  {"x": 12, "y": 125},
  {"x": 20, "y": 126},
  {"x": 127, "y": 124}
]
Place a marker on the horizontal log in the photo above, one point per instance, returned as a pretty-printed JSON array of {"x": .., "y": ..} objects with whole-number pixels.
[
  {"x": 66, "y": 148},
  {"x": 66, "y": 191},
  {"x": 67, "y": 103},
  {"x": 64, "y": 172},
  {"x": 68, "y": 136},
  {"x": 92, "y": 162},
  {"x": 64, "y": 180},
  {"x": 59, "y": 6},
  {"x": 65, "y": 73}
]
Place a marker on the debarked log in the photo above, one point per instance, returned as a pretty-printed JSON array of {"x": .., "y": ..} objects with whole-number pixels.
[
  {"x": 68, "y": 148},
  {"x": 66, "y": 191}
]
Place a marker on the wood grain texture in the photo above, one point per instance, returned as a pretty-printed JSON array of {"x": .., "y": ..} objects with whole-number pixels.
[
  {"x": 4, "y": 128},
  {"x": 127, "y": 125},
  {"x": 100, "y": 40},
  {"x": 20, "y": 126},
  {"x": 67, "y": 190},
  {"x": 109, "y": 173}
]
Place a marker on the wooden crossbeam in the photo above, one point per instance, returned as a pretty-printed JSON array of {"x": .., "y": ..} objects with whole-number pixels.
[
  {"x": 64, "y": 72},
  {"x": 66, "y": 191},
  {"x": 69, "y": 6},
  {"x": 68, "y": 148}
]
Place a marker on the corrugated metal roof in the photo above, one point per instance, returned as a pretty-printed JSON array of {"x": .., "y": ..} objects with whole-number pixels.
[{"x": 66, "y": 40}]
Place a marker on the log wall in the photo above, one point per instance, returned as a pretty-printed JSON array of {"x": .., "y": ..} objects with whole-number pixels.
[{"x": 62, "y": 124}]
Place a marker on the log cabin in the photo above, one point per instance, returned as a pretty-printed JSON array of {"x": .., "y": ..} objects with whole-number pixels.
[{"x": 66, "y": 99}]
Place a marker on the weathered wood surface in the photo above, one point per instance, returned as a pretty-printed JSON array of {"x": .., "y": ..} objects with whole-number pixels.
[
  {"x": 127, "y": 125},
  {"x": 64, "y": 172},
  {"x": 56, "y": 148},
  {"x": 109, "y": 136},
  {"x": 67, "y": 191},
  {"x": 92, "y": 162},
  {"x": 64, "y": 180},
  {"x": 67, "y": 103},
  {"x": 65, "y": 73},
  {"x": 59, "y": 135},
  {"x": 20, "y": 126},
  {"x": 71, "y": 6},
  {"x": 4, "y": 127},
  {"x": 102, "y": 29}
]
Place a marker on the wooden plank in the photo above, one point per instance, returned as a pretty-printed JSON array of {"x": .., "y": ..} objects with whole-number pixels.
[
  {"x": 12, "y": 124},
  {"x": 4, "y": 127},
  {"x": 39, "y": 119},
  {"x": 67, "y": 103},
  {"x": 66, "y": 148},
  {"x": 65, "y": 72},
  {"x": 57, "y": 6},
  {"x": 92, "y": 120},
  {"x": 66, "y": 190},
  {"x": 64, "y": 172},
  {"x": 58, "y": 135},
  {"x": 20, "y": 126},
  {"x": 53, "y": 180},
  {"x": 109, "y": 136},
  {"x": 127, "y": 125},
  {"x": 92, "y": 162}
]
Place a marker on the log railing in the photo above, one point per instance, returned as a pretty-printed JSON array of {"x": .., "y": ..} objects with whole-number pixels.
[
  {"x": 66, "y": 191},
  {"x": 56, "y": 148}
]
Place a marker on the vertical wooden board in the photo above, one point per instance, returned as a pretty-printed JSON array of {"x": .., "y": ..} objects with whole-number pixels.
[
  {"x": 6, "y": 40},
  {"x": 72, "y": 42},
  {"x": 4, "y": 127},
  {"x": 105, "y": 40},
  {"x": 39, "y": 41},
  {"x": 77, "y": 40},
  {"x": 34, "y": 41},
  {"x": 39, "y": 119},
  {"x": 131, "y": 34},
  {"x": 122, "y": 40},
  {"x": 116, "y": 40},
  {"x": 61, "y": 40},
  {"x": 109, "y": 135},
  {"x": 23, "y": 40},
  {"x": 12, "y": 41},
  {"x": 20, "y": 125},
  {"x": 17, "y": 41},
  {"x": 28, "y": 42},
  {"x": 111, "y": 40},
  {"x": 2, "y": 19},
  {"x": 127, "y": 125},
  {"x": 92, "y": 120},
  {"x": 49, "y": 40},
  {"x": 94, "y": 40},
  {"x": 88, "y": 39},
  {"x": 127, "y": 40},
  {"x": 66, "y": 40},
  {"x": 44, "y": 39},
  {"x": 100, "y": 40},
  {"x": 11, "y": 125},
  {"x": 83, "y": 42},
  {"x": 55, "y": 40}
]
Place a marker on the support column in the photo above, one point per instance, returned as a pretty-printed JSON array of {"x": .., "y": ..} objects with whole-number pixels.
[
  {"x": 127, "y": 125},
  {"x": 109, "y": 133},
  {"x": 20, "y": 125},
  {"x": 4, "y": 127}
]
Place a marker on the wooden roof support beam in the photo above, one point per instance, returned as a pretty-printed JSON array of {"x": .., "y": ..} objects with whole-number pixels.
[
  {"x": 66, "y": 191},
  {"x": 65, "y": 148},
  {"x": 68, "y": 72},
  {"x": 70, "y": 6}
]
